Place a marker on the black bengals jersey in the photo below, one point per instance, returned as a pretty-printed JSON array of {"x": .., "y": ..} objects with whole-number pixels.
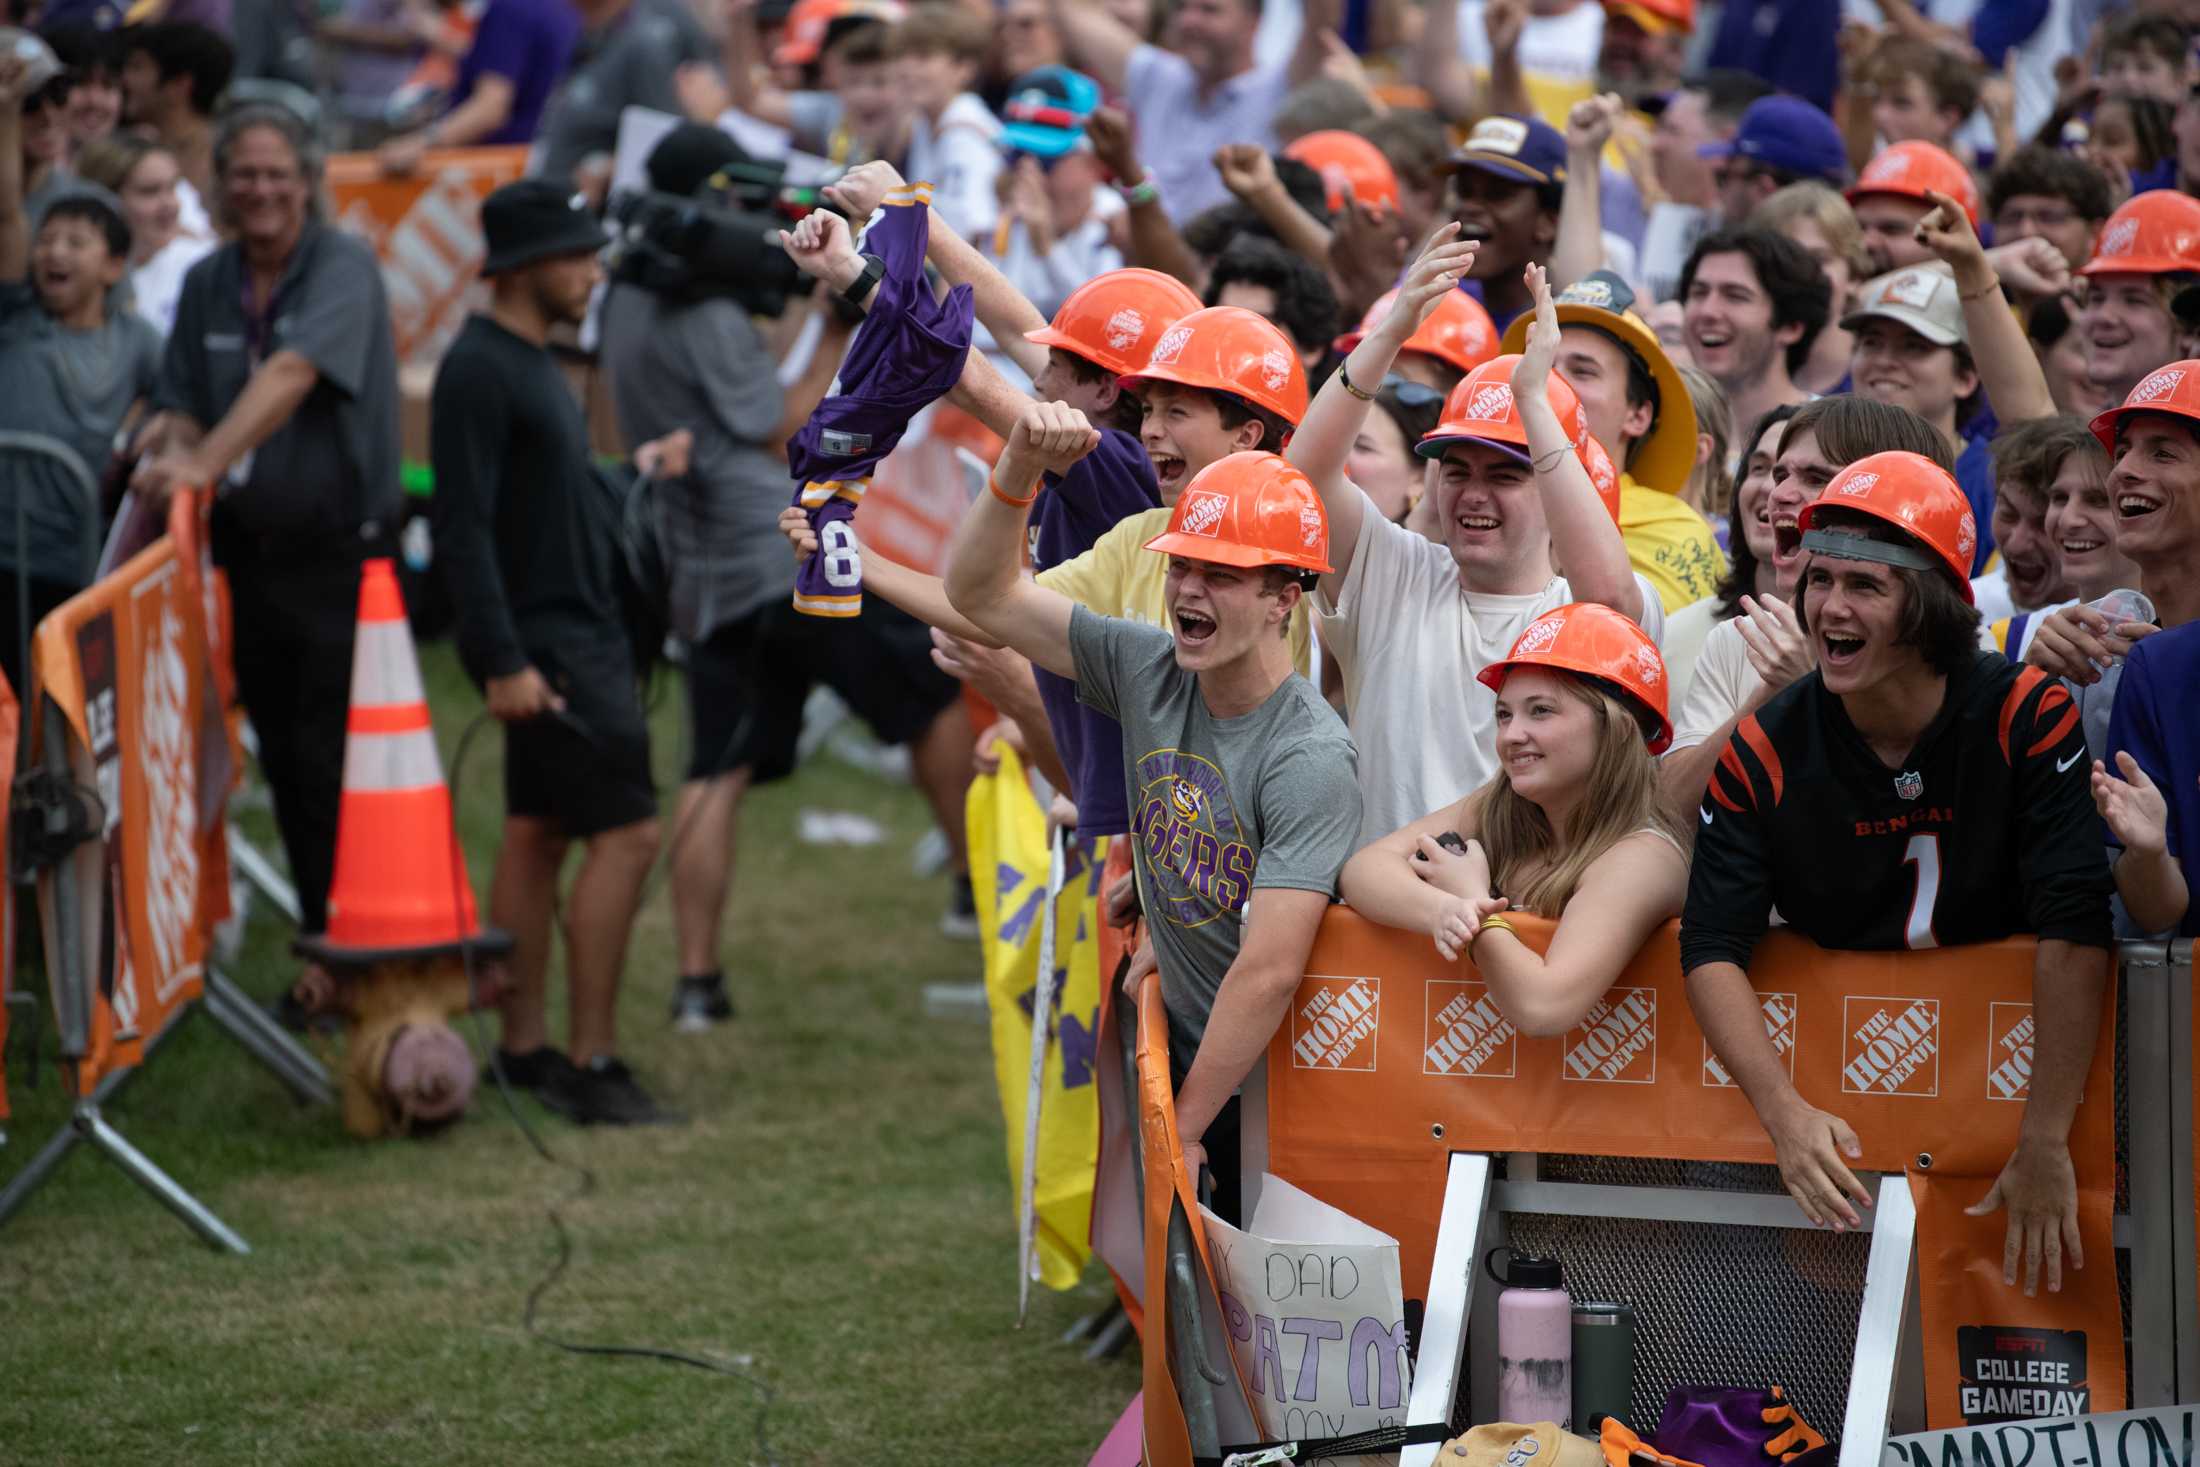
[{"x": 1986, "y": 831}]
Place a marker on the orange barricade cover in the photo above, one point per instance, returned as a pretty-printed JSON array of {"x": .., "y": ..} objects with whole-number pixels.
[
  {"x": 128, "y": 663},
  {"x": 1390, "y": 1059},
  {"x": 426, "y": 230}
]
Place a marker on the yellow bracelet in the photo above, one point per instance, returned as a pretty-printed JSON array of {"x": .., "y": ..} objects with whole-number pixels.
[
  {"x": 1007, "y": 498},
  {"x": 1493, "y": 921}
]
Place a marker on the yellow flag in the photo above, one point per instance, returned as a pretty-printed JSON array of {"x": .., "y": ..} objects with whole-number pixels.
[{"x": 1008, "y": 873}]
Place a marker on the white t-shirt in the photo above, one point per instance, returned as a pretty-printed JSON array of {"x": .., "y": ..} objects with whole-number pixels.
[
  {"x": 1990, "y": 593},
  {"x": 1685, "y": 630},
  {"x": 1558, "y": 50},
  {"x": 157, "y": 285},
  {"x": 960, "y": 157},
  {"x": 191, "y": 215},
  {"x": 1409, "y": 640},
  {"x": 1723, "y": 678}
]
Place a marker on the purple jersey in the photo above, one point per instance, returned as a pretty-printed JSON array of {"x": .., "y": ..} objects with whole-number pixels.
[
  {"x": 908, "y": 352},
  {"x": 1113, "y": 481}
]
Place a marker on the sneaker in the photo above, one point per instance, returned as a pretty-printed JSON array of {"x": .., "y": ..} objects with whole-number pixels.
[
  {"x": 533, "y": 1070},
  {"x": 604, "y": 1092},
  {"x": 698, "y": 1003},
  {"x": 960, "y": 920}
]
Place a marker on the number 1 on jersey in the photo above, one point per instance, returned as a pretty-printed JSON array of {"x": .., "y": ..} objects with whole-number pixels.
[{"x": 1924, "y": 854}]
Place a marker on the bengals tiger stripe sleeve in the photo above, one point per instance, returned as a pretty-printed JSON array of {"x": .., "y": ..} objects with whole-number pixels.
[
  {"x": 2062, "y": 861},
  {"x": 1730, "y": 875}
]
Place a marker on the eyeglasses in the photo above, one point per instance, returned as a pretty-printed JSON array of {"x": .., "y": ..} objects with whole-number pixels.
[{"x": 1412, "y": 395}]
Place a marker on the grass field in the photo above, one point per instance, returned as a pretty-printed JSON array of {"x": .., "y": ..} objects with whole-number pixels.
[{"x": 836, "y": 1210}]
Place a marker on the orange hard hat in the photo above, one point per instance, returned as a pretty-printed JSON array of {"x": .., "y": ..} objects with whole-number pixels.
[
  {"x": 1249, "y": 509},
  {"x": 1458, "y": 331},
  {"x": 1914, "y": 495},
  {"x": 1603, "y": 474},
  {"x": 1351, "y": 166},
  {"x": 1229, "y": 349},
  {"x": 1481, "y": 408},
  {"x": 2174, "y": 389},
  {"x": 1909, "y": 169},
  {"x": 2154, "y": 233},
  {"x": 810, "y": 25},
  {"x": 1595, "y": 641},
  {"x": 1113, "y": 320},
  {"x": 1658, "y": 17}
]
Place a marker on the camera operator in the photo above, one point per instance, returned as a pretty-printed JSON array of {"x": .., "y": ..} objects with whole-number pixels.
[{"x": 688, "y": 354}]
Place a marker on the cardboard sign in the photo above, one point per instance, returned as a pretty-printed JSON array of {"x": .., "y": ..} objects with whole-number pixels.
[
  {"x": 128, "y": 662},
  {"x": 1316, "y": 1315},
  {"x": 2162, "y": 1436},
  {"x": 1920, "y": 1053},
  {"x": 426, "y": 230}
]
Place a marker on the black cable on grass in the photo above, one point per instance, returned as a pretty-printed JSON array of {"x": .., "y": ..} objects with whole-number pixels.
[{"x": 585, "y": 1179}]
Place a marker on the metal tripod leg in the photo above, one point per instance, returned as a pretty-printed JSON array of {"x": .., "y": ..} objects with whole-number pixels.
[
  {"x": 88, "y": 1126},
  {"x": 94, "y": 1128},
  {"x": 260, "y": 874},
  {"x": 265, "y": 1040}
]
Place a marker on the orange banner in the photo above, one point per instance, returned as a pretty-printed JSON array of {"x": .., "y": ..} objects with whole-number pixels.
[
  {"x": 1390, "y": 1059},
  {"x": 426, "y": 230},
  {"x": 127, "y": 664}
]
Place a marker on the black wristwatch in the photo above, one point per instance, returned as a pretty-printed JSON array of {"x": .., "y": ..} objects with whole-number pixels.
[{"x": 874, "y": 270}]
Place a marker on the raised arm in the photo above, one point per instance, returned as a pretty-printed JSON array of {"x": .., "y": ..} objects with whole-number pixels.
[
  {"x": 741, "y": 55},
  {"x": 2007, "y": 367},
  {"x": 1579, "y": 248},
  {"x": 1583, "y": 537},
  {"x": 1154, "y": 241},
  {"x": 1439, "y": 68},
  {"x": 984, "y": 561},
  {"x": 1098, "y": 43},
  {"x": 1333, "y": 419},
  {"x": 15, "y": 233},
  {"x": 1249, "y": 172}
]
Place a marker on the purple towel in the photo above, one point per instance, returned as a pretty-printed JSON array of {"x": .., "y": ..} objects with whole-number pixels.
[
  {"x": 1720, "y": 1426},
  {"x": 908, "y": 352}
]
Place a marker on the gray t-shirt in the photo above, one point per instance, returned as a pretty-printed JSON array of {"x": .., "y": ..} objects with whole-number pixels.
[
  {"x": 72, "y": 387},
  {"x": 702, "y": 365},
  {"x": 325, "y": 482},
  {"x": 1219, "y": 806},
  {"x": 631, "y": 62}
]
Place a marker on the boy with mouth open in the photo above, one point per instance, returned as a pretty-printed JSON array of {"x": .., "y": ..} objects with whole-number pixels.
[
  {"x": 1242, "y": 787},
  {"x": 1910, "y": 792},
  {"x": 1411, "y": 622}
]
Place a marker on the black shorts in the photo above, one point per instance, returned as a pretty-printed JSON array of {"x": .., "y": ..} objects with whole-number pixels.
[
  {"x": 588, "y": 771},
  {"x": 748, "y": 681}
]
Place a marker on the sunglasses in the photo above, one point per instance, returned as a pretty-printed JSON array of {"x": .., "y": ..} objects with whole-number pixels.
[{"x": 1412, "y": 395}]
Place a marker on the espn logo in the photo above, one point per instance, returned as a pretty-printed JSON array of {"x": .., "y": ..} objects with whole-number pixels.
[
  {"x": 1891, "y": 1046},
  {"x": 1463, "y": 1033},
  {"x": 2009, "y": 1035},
  {"x": 1779, "y": 1028},
  {"x": 1333, "y": 1024},
  {"x": 1617, "y": 1043},
  {"x": 1203, "y": 511}
]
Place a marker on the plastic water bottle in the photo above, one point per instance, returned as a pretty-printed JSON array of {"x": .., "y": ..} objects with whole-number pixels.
[{"x": 1535, "y": 1341}]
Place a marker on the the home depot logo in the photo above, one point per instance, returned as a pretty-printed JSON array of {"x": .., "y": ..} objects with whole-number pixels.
[
  {"x": 1464, "y": 1034},
  {"x": 1617, "y": 1043},
  {"x": 1125, "y": 327},
  {"x": 1203, "y": 511},
  {"x": 2156, "y": 387},
  {"x": 2009, "y": 1031},
  {"x": 1491, "y": 404},
  {"x": 1333, "y": 1024},
  {"x": 1779, "y": 1028},
  {"x": 1891, "y": 1046}
]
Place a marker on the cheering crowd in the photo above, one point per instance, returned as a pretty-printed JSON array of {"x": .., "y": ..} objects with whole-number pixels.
[{"x": 1607, "y": 461}]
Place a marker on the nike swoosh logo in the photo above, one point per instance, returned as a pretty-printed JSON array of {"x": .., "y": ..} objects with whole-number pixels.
[
  {"x": 1706, "y": 814},
  {"x": 2062, "y": 764}
]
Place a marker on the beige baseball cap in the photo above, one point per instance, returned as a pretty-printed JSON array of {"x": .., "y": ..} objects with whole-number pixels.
[
  {"x": 1503, "y": 1444},
  {"x": 1921, "y": 297}
]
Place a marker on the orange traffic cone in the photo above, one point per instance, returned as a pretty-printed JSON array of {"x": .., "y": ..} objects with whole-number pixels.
[{"x": 400, "y": 889}]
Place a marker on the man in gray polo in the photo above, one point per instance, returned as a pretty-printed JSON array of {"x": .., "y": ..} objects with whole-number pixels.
[{"x": 279, "y": 388}]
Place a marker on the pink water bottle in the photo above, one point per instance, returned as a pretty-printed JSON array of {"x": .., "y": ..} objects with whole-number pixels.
[{"x": 1535, "y": 1341}]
